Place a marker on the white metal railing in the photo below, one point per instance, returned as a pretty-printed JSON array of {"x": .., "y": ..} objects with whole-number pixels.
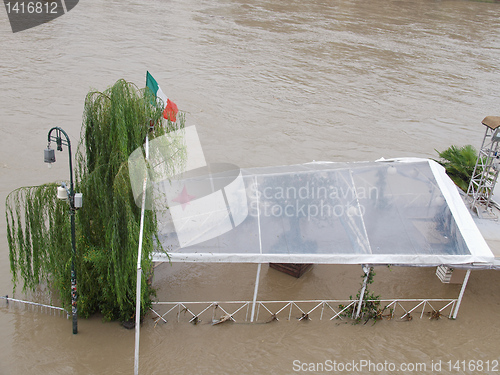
[
  {"x": 274, "y": 310},
  {"x": 219, "y": 311},
  {"x": 41, "y": 306}
]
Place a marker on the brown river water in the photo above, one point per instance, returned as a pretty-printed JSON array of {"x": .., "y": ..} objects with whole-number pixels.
[{"x": 266, "y": 82}]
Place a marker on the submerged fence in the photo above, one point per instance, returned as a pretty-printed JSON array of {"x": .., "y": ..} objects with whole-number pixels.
[
  {"x": 49, "y": 309},
  {"x": 267, "y": 311}
]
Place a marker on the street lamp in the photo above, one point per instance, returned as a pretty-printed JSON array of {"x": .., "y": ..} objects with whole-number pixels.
[{"x": 75, "y": 202}]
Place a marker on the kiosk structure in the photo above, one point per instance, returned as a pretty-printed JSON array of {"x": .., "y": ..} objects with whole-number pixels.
[{"x": 401, "y": 212}]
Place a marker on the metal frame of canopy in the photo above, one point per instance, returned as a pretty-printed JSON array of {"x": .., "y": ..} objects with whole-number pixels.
[{"x": 452, "y": 303}]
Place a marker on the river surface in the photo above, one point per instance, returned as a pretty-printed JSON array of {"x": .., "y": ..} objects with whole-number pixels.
[{"x": 267, "y": 82}]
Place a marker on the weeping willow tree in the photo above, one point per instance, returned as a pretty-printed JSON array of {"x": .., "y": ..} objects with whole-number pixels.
[
  {"x": 38, "y": 231},
  {"x": 115, "y": 123}
]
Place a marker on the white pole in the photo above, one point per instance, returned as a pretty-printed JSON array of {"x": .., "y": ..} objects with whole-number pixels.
[
  {"x": 257, "y": 278},
  {"x": 366, "y": 269},
  {"x": 256, "y": 290},
  {"x": 139, "y": 270},
  {"x": 462, "y": 291}
]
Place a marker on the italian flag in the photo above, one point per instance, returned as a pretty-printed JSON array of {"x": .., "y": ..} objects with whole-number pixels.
[{"x": 169, "y": 108}]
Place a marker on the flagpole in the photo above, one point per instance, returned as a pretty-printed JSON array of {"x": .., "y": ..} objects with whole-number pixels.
[{"x": 139, "y": 269}]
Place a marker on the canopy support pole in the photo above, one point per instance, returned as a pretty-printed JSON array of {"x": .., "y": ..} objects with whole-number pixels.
[
  {"x": 462, "y": 291},
  {"x": 139, "y": 270},
  {"x": 257, "y": 278},
  {"x": 366, "y": 270},
  {"x": 256, "y": 290}
]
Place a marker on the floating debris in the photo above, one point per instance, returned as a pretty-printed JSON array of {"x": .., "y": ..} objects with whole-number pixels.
[
  {"x": 273, "y": 318},
  {"x": 407, "y": 317},
  {"x": 223, "y": 319},
  {"x": 434, "y": 314},
  {"x": 304, "y": 317}
]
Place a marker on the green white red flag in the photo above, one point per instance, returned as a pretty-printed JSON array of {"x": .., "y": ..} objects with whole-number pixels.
[{"x": 169, "y": 107}]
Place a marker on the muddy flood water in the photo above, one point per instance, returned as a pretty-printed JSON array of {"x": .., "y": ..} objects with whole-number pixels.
[{"x": 266, "y": 82}]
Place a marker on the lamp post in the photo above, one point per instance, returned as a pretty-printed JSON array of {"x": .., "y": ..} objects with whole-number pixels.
[{"x": 75, "y": 201}]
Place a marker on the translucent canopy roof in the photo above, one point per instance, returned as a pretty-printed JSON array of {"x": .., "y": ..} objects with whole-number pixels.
[{"x": 404, "y": 211}]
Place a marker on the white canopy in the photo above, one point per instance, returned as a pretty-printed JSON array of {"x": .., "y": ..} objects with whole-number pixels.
[{"x": 404, "y": 212}]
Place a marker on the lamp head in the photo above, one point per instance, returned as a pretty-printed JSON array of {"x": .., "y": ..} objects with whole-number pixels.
[
  {"x": 49, "y": 155},
  {"x": 62, "y": 193}
]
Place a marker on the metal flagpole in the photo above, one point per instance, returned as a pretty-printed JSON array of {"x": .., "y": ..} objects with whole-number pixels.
[{"x": 139, "y": 269}]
